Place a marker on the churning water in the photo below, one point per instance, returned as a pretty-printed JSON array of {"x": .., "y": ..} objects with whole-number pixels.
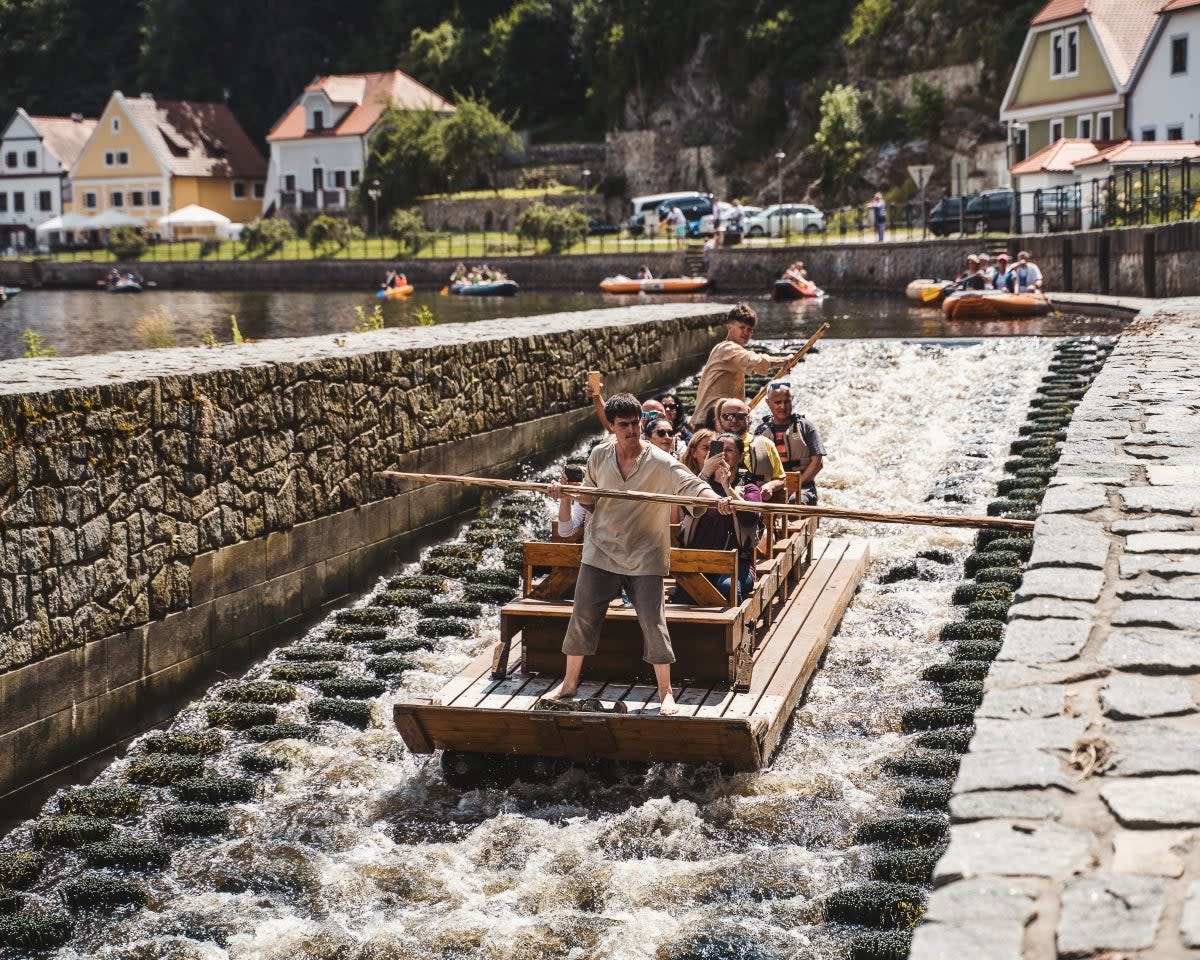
[{"x": 360, "y": 851}]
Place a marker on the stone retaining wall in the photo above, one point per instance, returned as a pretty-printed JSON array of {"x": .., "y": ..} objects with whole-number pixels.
[{"x": 167, "y": 514}]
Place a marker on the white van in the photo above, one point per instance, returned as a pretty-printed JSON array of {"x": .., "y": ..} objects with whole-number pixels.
[{"x": 645, "y": 210}]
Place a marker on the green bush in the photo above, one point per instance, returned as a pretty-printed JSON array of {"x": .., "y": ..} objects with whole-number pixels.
[
  {"x": 303, "y": 672},
  {"x": 1010, "y": 506},
  {"x": 401, "y": 645},
  {"x": 559, "y": 227},
  {"x": 877, "y": 905},
  {"x": 282, "y": 731},
  {"x": 367, "y": 617},
  {"x": 953, "y": 670},
  {"x": 452, "y": 608},
  {"x": 495, "y": 523},
  {"x": 447, "y": 566},
  {"x": 108, "y": 802},
  {"x": 972, "y": 630},
  {"x": 460, "y": 551},
  {"x": 326, "y": 234},
  {"x": 239, "y": 716},
  {"x": 987, "y": 610},
  {"x": 353, "y": 713},
  {"x": 418, "y": 582},
  {"x": 355, "y": 633},
  {"x": 201, "y": 743},
  {"x": 315, "y": 652},
  {"x": 160, "y": 769},
  {"x": 70, "y": 831},
  {"x": 352, "y": 688},
  {"x": 968, "y": 693},
  {"x": 1021, "y": 546},
  {"x": 1042, "y": 473},
  {"x": 1012, "y": 576},
  {"x": 985, "y": 538},
  {"x": 125, "y": 243},
  {"x": 937, "y": 765},
  {"x": 404, "y": 598},
  {"x": 259, "y": 691},
  {"x": 1035, "y": 446},
  {"x": 264, "y": 237},
  {"x": 977, "y": 650},
  {"x": 443, "y": 627},
  {"x": 970, "y": 592},
  {"x": 992, "y": 558},
  {"x": 489, "y": 538},
  {"x": 35, "y": 930},
  {"x": 193, "y": 819},
  {"x": 263, "y": 761},
  {"x": 20, "y": 869},
  {"x": 926, "y": 797},
  {"x": 390, "y": 666},
  {"x": 943, "y": 557},
  {"x": 910, "y": 831},
  {"x": 407, "y": 227},
  {"x": 957, "y": 739},
  {"x": 494, "y": 593},
  {"x": 1025, "y": 463},
  {"x": 214, "y": 790},
  {"x": 935, "y": 718},
  {"x": 881, "y": 945},
  {"x": 906, "y": 866},
  {"x": 128, "y": 853}
]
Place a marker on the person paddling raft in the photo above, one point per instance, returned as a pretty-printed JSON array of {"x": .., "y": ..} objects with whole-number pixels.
[{"x": 724, "y": 373}]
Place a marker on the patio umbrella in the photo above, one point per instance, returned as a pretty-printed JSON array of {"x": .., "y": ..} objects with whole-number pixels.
[
  {"x": 110, "y": 219},
  {"x": 194, "y": 215}
]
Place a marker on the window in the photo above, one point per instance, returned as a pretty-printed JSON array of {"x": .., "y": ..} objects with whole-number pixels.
[
  {"x": 44, "y": 201},
  {"x": 31, "y": 158},
  {"x": 122, "y": 158},
  {"x": 1149, "y": 133},
  {"x": 18, "y": 202},
  {"x": 318, "y": 123},
  {"x": 1175, "y": 132},
  {"x": 354, "y": 178},
  {"x": 89, "y": 200},
  {"x": 339, "y": 179},
  {"x": 3, "y": 203},
  {"x": 1179, "y": 55},
  {"x": 239, "y": 190},
  {"x": 1083, "y": 127},
  {"x": 108, "y": 158},
  {"x": 117, "y": 199},
  {"x": 137, "y": 199},
  {"x": 259, "y": 191},
  {"x": 1056, "y": 130},
  {"x": 289, "y": 183},
  {"x": 116, "y": 125},
  {"x": 155, "y": 198},
  {"x": 1064, "y": 53},
  {"x": 10, "y": 158},
  {"x": 1104, "y": 129}
]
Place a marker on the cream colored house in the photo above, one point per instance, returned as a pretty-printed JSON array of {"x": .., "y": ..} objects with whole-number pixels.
[
  {"x": 148, "y": 157},
  {"x": 1074, "y": 72}
]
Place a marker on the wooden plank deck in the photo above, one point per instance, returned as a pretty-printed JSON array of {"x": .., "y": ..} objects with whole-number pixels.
[{"x": 475, "y": 712}]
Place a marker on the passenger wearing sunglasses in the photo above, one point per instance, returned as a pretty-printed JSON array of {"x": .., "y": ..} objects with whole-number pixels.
[
  {"x": 677, "y": 415},
  {"x": 795, "y": 439},
  {"x": 761, "y": 459},
  {"x": 724, "y": 373}
]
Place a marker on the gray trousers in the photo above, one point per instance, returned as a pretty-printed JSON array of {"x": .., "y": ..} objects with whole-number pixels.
[{"x": 594, "y": 589}]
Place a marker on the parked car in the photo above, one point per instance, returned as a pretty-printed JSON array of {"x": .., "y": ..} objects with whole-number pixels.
[
  {"x": 946, "y": 217},
  {"x": 597, "y": 227},
  {"x": 1057, "y": 209},
  {"x": 781, "y": 219},
  {"x": 705, "y": 227},
  {"x": 645, "y": 210},
  {"x": 694, "y": 209},
  {"x": 991, "y": 210}
]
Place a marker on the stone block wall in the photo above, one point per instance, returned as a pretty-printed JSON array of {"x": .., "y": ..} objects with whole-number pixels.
[{"x": 168, "y": 514}]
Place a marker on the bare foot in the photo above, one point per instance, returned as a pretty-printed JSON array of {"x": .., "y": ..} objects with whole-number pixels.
[
  {"x": 559, "y": 693},
  {"x": 668, "y": 708}
]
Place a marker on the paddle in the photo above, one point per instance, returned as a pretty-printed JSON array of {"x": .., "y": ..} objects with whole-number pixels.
[
  {"x": 786, "y": 509},
  {"x": 794, "y": 359},
  {"x": 1054, "y": 311},
  {"x": 444, "y": 291},
  {"x": 931, "y": 293}
]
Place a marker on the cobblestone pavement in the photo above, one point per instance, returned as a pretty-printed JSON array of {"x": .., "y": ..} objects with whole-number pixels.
[{"x": 1075, "y": 813}]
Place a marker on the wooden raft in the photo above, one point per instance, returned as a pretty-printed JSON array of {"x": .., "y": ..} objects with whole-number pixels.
[{"x": 740, "y": 672}]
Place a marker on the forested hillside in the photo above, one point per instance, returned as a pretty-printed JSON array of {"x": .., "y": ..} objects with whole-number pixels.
[{"x": 564, "y": 69}]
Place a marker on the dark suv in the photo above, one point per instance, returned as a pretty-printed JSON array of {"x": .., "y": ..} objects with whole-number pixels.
[
  {"x": 946, "y": 216},
  {"x": 991, "y": 210},
  {"x": 692, "y": 208}
]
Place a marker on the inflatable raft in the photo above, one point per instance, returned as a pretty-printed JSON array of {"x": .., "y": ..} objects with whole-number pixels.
[
  {"x": 993, "y": 305},
  {"x": 622, "y": 284},
  {"x": 788, "y": 288},
  {"x": 394, "y": 293},
  {"x": 929, "y": 292},
  {"x": 485, "y": 288}
]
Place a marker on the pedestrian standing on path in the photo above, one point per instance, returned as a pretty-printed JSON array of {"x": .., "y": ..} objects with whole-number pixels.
[{"x": 879, "y": 214}]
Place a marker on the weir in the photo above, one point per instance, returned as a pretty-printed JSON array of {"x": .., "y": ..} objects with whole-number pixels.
[{"x": 169, "y": 515}]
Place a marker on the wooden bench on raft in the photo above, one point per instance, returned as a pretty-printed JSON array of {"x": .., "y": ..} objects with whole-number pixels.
[{"x": 714, "y": 638}]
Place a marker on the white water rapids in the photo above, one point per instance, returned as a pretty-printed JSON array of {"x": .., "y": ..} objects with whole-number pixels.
[{"x": 360, "y": 851}]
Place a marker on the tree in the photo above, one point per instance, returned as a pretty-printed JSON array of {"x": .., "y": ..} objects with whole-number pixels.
[
  {"x": 264, "y": 237},
  {"x": 402, "y": 159},
  {"x": 472, "y": 141},
  {"x": 560, "y": 227},
  {"x": 328, "y": 234},
  {"x": 408, "y": 227},
  {"x": 125, "y": 243},
  {"x": 839, "y": 136}
]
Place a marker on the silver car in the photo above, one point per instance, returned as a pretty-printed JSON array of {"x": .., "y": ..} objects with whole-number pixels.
[{"x": 782, "y": 219}]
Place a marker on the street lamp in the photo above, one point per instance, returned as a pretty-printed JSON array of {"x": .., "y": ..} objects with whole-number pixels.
[
  {"x": 586, "y": 173},
  {"x": 779, "y": 191},
  {"x": 373, "y": 192}
]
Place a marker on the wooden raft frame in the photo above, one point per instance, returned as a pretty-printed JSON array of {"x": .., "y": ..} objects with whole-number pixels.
[{"x": 736, "y": 725}]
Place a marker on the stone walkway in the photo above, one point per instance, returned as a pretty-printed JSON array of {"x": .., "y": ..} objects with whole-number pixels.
[{"x": 1075, "y": 811}]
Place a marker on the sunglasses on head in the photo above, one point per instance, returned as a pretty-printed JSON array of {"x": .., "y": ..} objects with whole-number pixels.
[
  {"x": 650, "y": 414},
  {"x": 779, "y": 385}
]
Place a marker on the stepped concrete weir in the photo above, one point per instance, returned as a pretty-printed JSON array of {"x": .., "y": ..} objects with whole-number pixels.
[{"x": 165, "y": 515}]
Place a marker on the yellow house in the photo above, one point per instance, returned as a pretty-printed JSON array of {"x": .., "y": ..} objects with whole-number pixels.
[{"x": 148, "y": 157}]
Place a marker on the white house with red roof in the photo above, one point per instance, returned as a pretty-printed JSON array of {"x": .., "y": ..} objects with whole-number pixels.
[
  {"x": 1164, "y": 99},
  {"x": 319, "y": 146},
  {"x": 36, "y": 157}
]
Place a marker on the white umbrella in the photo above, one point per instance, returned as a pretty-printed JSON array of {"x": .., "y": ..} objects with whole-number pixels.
[
  {"x": 65, "y": 223},
  {"x": 108, "y": 220},
  {"x": 193, "y": 215}
]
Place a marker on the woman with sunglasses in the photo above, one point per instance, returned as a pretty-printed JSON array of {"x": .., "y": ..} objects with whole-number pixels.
[
  {"x": 677, "y": 414},
  {"x": 657, "y": 430}
]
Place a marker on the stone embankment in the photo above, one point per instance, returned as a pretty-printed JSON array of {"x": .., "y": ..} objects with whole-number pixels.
[
  {"x": 1075, "y": 812},
  {"x": 167, "y": 514}
]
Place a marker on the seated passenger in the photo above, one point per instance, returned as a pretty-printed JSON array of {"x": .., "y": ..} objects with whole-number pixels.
[{"x": 796, "y": 439}]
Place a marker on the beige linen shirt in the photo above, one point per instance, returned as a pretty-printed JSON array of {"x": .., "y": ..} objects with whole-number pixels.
[
  {"x": 725, "y": 375},
  {"x": 632, "y": 538}
]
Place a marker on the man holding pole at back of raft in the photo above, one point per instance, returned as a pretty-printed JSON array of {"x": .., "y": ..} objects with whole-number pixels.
[
  {"x": 725, "y": 371},
  {"x": 627, "y": 543}
]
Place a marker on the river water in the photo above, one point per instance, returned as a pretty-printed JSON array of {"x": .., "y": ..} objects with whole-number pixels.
[
  {"x": 85, "y": 321},
  {"x": 359, "y": 851}
]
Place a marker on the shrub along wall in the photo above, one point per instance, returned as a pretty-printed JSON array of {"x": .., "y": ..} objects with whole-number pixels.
[{"x": 166, "y": 514}]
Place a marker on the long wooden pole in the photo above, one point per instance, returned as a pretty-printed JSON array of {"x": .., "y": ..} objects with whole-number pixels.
[
  {"x": 794, "y": 359},
  {"x": 787, "y": 509}
]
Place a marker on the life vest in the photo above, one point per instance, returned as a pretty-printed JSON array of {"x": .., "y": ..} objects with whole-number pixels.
[
  {"x": 758, "y": 459},
  {"x": 793, "y": 451}
]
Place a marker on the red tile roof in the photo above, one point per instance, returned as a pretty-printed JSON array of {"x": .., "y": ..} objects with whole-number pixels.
[
  {"x": 1122, "y": 26},
  {"x": 195, "y": 139},
  {"x": 1060, "y": 156},
  {"x": 1143, "y": 151},
  {"x": 1179, "y": 5},
  {"x": 367, "y": 95},
  {"x": 64, "y": 137}
]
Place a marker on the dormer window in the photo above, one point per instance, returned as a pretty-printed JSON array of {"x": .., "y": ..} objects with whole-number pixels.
[
  {"x": 318, "y": 121},
  {"x": 1064, "y": 53}
]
